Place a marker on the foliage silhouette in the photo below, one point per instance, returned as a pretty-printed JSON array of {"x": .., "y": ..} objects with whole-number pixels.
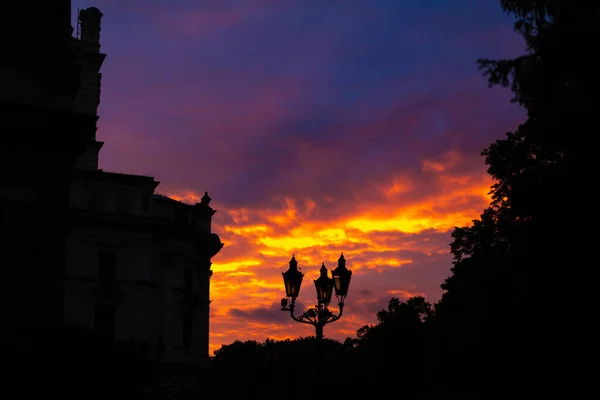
[
  {"x": 378, "y": 354},
  {"x": 272, "y": 368},
  {"x": 510, "y": 257}
]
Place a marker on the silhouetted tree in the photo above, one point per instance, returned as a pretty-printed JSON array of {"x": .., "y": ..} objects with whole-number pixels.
[
  {"x": 272, "y": 369},
  {"x": 391, "y": 352},
  {"x": 500, "y": 306}
]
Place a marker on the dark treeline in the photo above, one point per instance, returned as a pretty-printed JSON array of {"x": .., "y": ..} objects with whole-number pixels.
[
  {"x": 502, "y": 327},
  {"x": 382, "y": 355}
]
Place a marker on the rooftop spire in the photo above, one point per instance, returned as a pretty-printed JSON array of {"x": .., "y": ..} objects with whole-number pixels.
[{"x": 205, "y": 200}]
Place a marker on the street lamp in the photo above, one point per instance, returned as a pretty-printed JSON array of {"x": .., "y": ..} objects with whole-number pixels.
[
  {"x": 341, "y": 279},
  {"x": 324, "y": 286},
  {"x": 292, "y": 278},
  {"x": 319, "y": 315}
]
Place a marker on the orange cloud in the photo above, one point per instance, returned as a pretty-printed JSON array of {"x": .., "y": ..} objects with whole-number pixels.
[{"x": 396, "y": 246}]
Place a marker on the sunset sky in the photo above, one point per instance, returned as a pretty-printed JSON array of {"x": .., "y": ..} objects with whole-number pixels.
[{"x": 316, "y": 126}]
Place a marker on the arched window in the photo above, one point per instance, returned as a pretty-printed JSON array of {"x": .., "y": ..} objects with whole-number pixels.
[
  {"x": 107, "y": 266},
  {"x": 104, "y": 320},
  {"x": 189, "y": 279},
  {"x": 188, "y": 329},
  {"x": 123, "y": 204},
  {"x": 96, "y": 200}
]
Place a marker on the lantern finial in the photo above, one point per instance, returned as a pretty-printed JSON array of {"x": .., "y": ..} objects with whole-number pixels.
[{"x": 323, "y": 270}]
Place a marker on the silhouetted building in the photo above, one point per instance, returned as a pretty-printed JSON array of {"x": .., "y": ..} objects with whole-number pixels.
[
  {"x": 138, "y": 262},
  {"x": 101, "y": 249},
  {"x": 42, "y": 135}
]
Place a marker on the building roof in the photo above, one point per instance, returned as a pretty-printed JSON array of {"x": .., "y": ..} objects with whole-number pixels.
[{"x": 114, "y": 177}]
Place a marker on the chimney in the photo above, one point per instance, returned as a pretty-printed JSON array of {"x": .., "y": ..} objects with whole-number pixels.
[{"x": 89, "y": 19}]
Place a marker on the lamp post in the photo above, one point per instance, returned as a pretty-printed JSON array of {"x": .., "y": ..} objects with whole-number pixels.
[{"x": 319, "y": 315}]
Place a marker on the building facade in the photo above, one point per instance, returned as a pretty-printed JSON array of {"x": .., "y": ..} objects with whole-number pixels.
[
  {"x": 100, "y": 249},
  {"x": 138, "y": 263},
  {"x": 42, "y": 137}
]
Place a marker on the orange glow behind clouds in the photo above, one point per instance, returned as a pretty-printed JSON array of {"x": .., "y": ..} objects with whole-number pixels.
[{"x": 376, "y": 237}]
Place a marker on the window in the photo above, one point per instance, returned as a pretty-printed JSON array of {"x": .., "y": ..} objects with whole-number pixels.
[
  {"x": 188, "y": 326},
  {"x": 107, "y": 266},
  {"x": 3, "y": 209},
  {"x": 104, "y": 320},
  {"x": 123, "y": 204},
  {"x": 189, "y": 279},
  {"x": 181, "y": 214},
  {"x": 96, "y": 200},
  {"x": 145, "y": 203},
  {"x": 168, "y": 259}
]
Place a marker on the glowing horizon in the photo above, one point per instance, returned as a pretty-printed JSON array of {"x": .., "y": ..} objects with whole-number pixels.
[{"x": 274, "y": 235}]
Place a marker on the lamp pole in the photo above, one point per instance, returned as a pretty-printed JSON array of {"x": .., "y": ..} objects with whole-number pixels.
[{"x": 319, "y": 315}]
